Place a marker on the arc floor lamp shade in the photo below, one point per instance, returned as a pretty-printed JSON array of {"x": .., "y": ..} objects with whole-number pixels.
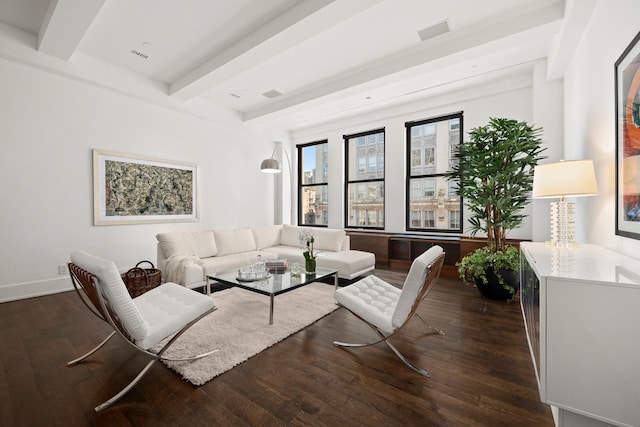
[{"x": 270, "y": 166}]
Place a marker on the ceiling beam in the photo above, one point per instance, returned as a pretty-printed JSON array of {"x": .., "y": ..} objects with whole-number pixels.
[
  {"x": 64, "y": 25},
  {"x": 291, "y": 28},
  {"x": 577, "y": 15},
  {"x": 496, "y": 33}
]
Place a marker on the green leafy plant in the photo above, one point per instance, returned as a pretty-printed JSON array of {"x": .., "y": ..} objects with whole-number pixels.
[
  {"x": 494, "y": 174},
  {"x": 474, "y": 266}
]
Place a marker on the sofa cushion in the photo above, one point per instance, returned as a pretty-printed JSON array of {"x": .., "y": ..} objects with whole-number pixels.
[
  {"x": 290, "y": 253},
  {"x": 205, "y": 243},
  {"x": 199, "y": 243},
  {"x": 266, "y": 236},
  {"x": 234, "y": 241},
  {"x": 350, "y": 264},
  {"x": 328, "y": 240},
  {"x": 233, "y": 262},
  {"x": 325, "y": 239},
  {"x": 290, "y": 235}
]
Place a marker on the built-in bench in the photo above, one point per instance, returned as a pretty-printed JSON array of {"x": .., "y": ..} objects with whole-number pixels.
[{"x": 397, "y": 251}]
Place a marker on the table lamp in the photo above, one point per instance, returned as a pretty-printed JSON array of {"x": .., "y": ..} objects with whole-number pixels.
[{"x": 570, "y": 178}]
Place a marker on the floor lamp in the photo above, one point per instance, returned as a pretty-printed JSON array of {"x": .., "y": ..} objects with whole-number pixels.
[
  {"x": 571, "y": 178},
  {"x": 272, "y": 166}
]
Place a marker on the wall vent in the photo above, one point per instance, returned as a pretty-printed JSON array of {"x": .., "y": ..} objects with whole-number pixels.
[{"x": 434, "y": 30}]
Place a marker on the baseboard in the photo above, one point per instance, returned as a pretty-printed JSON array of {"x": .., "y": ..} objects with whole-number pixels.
[{"x": 38, "y": 288}]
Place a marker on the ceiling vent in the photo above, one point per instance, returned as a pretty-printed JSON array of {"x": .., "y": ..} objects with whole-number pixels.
[
  {"x": 139, "y": 54},
  {"x": 271, "y": 94},
  {"x": 434, "y": 30}
]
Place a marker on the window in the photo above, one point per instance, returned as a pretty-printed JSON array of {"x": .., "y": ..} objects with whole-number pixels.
[
  {"x": 432, "y": 200},
  {"x": 371, "y": 163},
  {"x": 429, "y": 219},
  {"x": 429, "y": 187},
  {"x": 454, "y": 219},
  {"x": 313, "y": 187},
  {"x": 364, "y": 192}
]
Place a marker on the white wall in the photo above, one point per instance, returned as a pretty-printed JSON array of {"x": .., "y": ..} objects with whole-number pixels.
[
  {"x": 49, "y": 125},
  {"x": 548, "y": 114},
  {"x": 509, "y": 98},
  {"x": 590, "y": 115}
]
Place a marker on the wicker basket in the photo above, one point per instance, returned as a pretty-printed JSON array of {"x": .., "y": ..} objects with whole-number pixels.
[{"x": 139, "y": 280}]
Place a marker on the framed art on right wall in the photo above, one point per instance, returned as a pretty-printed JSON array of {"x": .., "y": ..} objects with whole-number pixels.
[{"x": 627, "y": 82}]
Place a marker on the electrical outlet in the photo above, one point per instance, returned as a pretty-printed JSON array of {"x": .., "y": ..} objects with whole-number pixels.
[{"x": 63, "y": 269}]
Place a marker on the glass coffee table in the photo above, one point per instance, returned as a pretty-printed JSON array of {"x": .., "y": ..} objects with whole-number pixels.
[{"x": 275, "y": 284}]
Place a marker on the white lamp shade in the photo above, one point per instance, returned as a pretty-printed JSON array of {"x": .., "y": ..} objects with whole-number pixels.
[
  {"x": 270, "y": 166},
  {"x": 570, "y": 178}
]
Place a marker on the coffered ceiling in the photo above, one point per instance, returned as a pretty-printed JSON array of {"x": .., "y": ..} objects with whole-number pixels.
[{"x": 286, "y": 63}]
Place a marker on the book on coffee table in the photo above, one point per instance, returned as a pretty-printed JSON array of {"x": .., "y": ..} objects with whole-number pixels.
[{"x": 277, "y": 265}]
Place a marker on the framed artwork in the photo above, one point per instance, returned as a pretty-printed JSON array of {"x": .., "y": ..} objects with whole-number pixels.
[
  {"x": 129, "y": 189},
  {"x": 627, "y": 81}
]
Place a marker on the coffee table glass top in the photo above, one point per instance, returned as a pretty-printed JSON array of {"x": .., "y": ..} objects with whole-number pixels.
[{"x": 277, "y": 283}]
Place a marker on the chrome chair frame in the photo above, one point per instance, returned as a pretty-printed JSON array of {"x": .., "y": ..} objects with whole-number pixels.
[
  {"x": 102, "y": 309},
  {"x": 434, "y": 270}
]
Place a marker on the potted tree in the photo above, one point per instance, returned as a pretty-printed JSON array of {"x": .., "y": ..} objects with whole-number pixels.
[{"x": 494, "y": 170}]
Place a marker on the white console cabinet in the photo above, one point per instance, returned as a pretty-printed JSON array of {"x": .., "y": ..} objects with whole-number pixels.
[{"x": 581, "y": 309}]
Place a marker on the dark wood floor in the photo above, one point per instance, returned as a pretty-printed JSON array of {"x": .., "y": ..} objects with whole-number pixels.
[{"x": 481, "y": 373}]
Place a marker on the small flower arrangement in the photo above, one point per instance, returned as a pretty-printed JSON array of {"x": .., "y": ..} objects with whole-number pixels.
[{"x": 307, "y": 238}]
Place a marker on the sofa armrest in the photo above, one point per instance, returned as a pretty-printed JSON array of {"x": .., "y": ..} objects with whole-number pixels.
[
  {"x": 161, "y": 262},
  {"x": 192, "y": 275}
]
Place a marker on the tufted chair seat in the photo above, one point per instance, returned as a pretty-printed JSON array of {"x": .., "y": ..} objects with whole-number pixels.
[
  {"x": 373, "y": 299},
  {"x": 385, "y": 308}
]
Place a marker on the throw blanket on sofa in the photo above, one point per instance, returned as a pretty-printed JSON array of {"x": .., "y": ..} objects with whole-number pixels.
[{"x": 176, "y": 265}]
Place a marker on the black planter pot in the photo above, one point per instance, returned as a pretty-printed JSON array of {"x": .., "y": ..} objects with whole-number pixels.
[{"x": 494, "y": 290}]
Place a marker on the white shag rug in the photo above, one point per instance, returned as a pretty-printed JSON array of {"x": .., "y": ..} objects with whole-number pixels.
[{"x": 240, "y": 328}]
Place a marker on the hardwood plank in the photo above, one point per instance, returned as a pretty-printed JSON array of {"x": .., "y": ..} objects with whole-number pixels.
[{"x": 481, "y": 372}]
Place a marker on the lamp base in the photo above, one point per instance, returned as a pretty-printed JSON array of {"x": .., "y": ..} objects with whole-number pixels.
[{"x": 563, "y": 224}]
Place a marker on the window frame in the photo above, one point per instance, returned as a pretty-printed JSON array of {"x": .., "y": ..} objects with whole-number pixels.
[
  {"x": 409, "y": 126},
  {"x": 367, "y": 143},
  {"x": 301, "y": 185}
]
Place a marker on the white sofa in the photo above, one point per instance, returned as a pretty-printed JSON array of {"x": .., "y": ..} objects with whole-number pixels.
[{"x": 188, "y": 257}]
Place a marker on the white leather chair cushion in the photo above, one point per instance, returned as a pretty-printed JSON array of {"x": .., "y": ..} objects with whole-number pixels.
[
  {"x": 167, "y": 309},
  {"x": 413, "y": 284},
  {"x": 234, "y": 241},
  {"x": 115, "y": 290},
  {"x": 371, "y": 298},
  {"x": 266, "y": 236}
]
